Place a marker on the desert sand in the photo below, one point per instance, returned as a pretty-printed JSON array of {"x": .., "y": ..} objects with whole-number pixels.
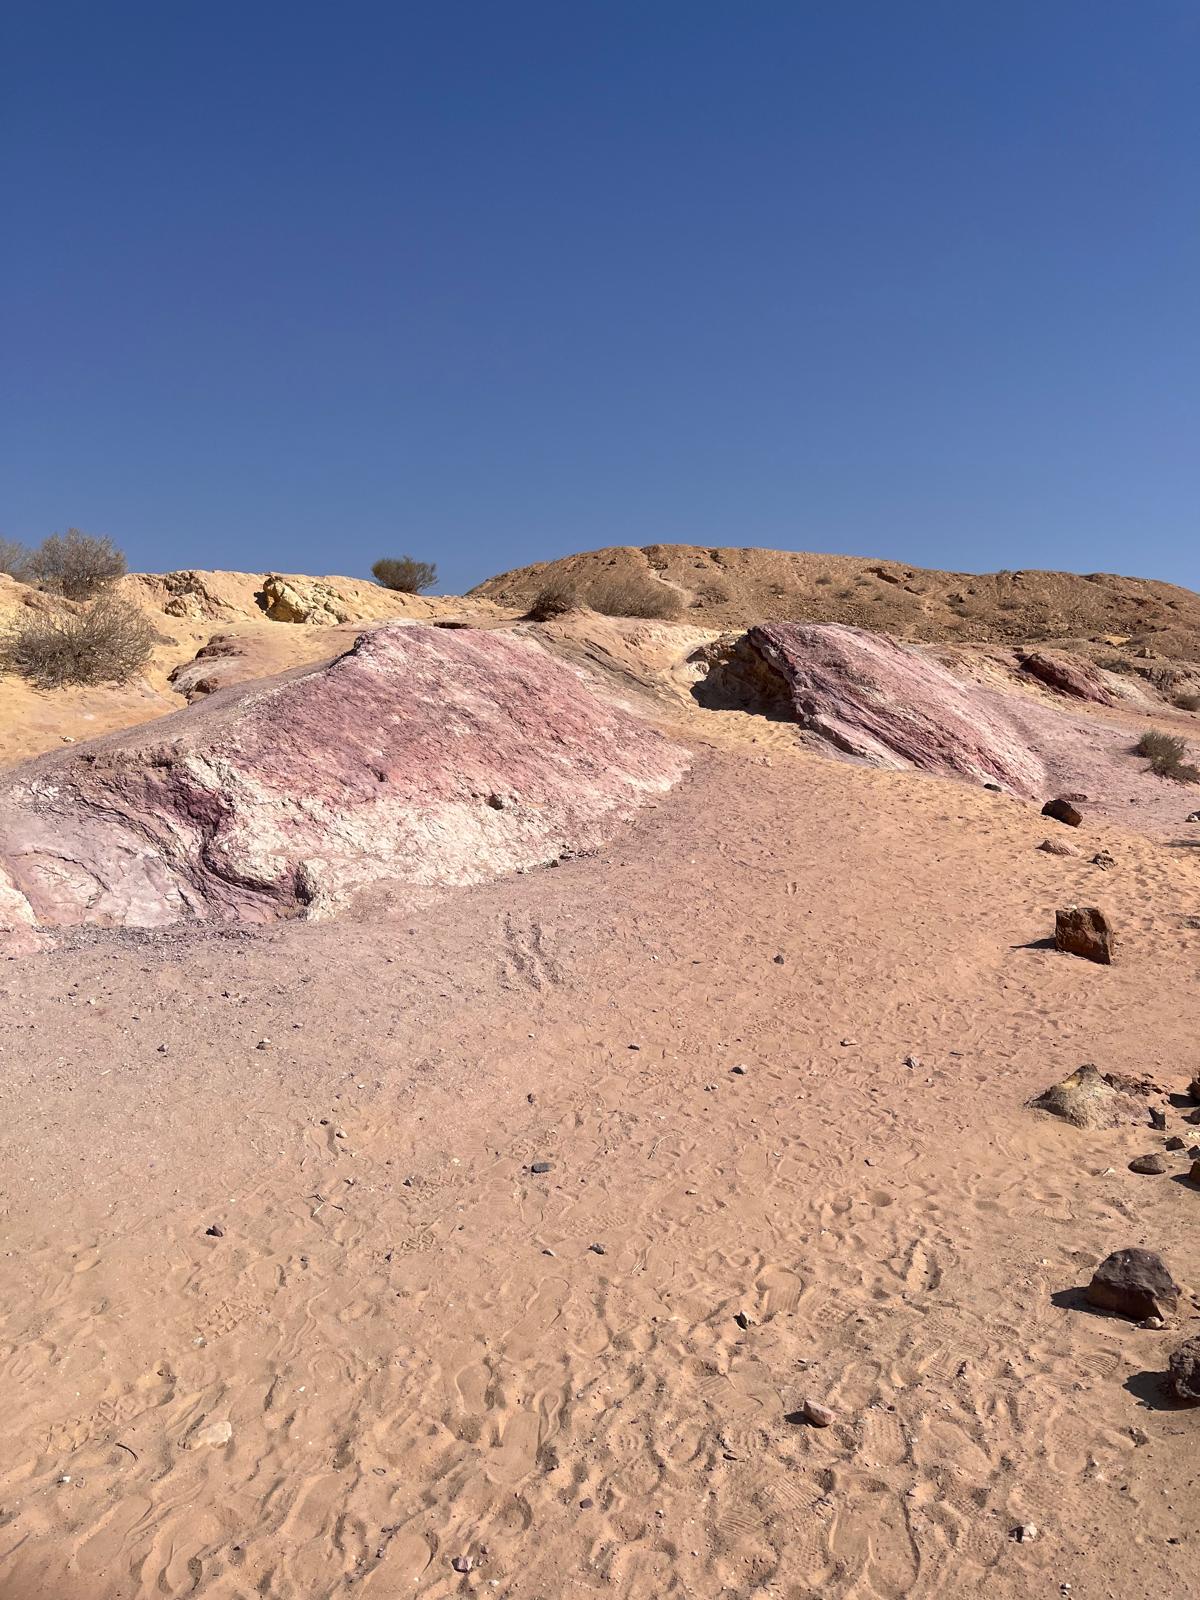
[{"x": 287, "y": 1310}]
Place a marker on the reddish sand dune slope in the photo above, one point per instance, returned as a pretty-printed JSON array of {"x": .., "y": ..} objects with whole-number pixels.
[{"x": 423, "y": 755}]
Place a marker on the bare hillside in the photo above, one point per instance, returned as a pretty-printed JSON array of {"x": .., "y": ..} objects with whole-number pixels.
[{"x": 728, "y": 588}]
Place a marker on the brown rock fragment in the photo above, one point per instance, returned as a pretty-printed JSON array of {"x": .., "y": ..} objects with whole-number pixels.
[
  {"x": 1183, "y": 1370},
  {"x": 1136, "y": 1284},
  {"x": 1062, "y": 811},
  {"x": 1084, "y": 931},
  {"x": 1149, "y": 1166}
]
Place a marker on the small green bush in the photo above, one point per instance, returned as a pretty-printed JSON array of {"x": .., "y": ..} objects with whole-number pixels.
[
  {"x": 1165, "y": 754},
  {"x": 405, "y": 574},
  {"x": 74, "y": 564}
]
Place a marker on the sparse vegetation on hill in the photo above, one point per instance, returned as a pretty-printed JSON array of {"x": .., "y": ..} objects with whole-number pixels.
[
  {"x": 109, "y": 642},
  {"x": 75, "y": 564},
  {"x": 405, "y": 574},
  {"x": 722, "y": 587},
  {"x": 634, "y": 594},
  {"x": 554, "y": 599},
  {"x": 14, "y": 558},
  {"x": 1166, "y": 755}
]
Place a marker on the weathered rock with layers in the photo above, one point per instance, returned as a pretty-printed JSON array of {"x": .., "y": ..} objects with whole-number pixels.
[
  {"x": 273, "y": 801},
  {"x": 881, "y": 701},
  {"x": 1069, "y": 675}
]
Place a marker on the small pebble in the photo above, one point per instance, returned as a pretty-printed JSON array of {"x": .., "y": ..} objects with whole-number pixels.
[
  {"x": 596, "y": 1249},
  {"x": 741, "y": 1071},
  {"x": 216, "y": 1433},
  {"x": 462, "y": 1563},
  {"x": 215, "y": 1231},
  {"x": 820, "y": 1416},
  {"x": 1026, "y": 1532},
  {"x": 1174, "y": 1142},
  {"x": 542, "y": 1166},
  {"x": 778, "y": 961},
  {"x": 587, "y": 1503},
  {"x": 1158, "y": 1118}
]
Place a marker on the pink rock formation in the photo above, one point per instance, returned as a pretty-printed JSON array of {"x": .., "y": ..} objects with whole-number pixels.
[
  {"x": 889, "y": 704},
  {"x": 1069, "y": 675},
  {"x": 423, "y": 756}
]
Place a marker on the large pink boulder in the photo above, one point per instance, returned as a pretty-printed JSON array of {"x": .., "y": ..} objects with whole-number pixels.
[
  {"x": 423, "y": 756},
  {"x": 887, "y": 703}
]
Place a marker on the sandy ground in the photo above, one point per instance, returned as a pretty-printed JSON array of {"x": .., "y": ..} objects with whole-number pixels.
[{"x": 421, "y": 1353}]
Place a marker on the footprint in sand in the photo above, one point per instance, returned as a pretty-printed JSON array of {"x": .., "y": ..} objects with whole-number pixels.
[{"x": 543, "y": 1312}]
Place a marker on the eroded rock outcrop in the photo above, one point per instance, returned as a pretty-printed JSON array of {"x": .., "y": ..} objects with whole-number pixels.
[
  {"x": 1069, "y": 675},
  {"x": 1089, "y": 1098},
  {"x": 422, "y": 756},
  {"x": 876, "y": 699}
]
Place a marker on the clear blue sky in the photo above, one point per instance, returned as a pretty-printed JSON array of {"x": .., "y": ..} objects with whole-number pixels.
[{"x": 295, "y": 285}]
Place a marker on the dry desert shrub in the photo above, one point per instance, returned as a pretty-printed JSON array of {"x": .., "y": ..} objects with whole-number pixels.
[
  {"x": 74, "y": 564},
  {"x": 1165, "y": 754},
  {"x": 110, "y": 642},
  {"x": 405, "y": 574},
  {"x": 554, "y": 599},
  {"x": 14, "y": 558},
  {"x": 1188, "y": 702},
  {"x": 632, "y": 594}
]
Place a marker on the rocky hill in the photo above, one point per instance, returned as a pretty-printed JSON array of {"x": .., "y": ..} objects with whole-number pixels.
[{"x": 734, "y": 588}]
